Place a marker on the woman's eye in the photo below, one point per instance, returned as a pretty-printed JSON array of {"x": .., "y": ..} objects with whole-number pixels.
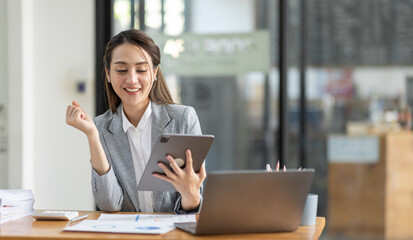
[
  {"x": 141, "y": 70},
  {"x": 121, "y": 71}
]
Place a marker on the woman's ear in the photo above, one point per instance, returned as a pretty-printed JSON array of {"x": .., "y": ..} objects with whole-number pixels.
[
  {"x": 156, "y": 72},
  {"x": 107, "y": 74}
]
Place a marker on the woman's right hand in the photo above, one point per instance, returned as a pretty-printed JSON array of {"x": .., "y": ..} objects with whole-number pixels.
[{"x": 76, "y": 117}]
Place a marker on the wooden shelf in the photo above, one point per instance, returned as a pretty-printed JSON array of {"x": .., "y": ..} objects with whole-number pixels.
[{"x": 374, "y": 199}]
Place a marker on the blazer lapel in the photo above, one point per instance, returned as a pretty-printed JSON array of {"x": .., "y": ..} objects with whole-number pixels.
[
  {"x": 161, "y": 123},
  {"x": 119, "y": 150}
]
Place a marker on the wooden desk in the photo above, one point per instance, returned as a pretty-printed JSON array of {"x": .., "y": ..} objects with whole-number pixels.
[{"x": 27, "y": 228}]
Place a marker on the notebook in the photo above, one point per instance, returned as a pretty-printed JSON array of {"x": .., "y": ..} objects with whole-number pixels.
[{"x": 251, "y": 202}]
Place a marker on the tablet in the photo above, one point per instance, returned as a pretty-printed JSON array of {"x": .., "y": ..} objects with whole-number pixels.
[{"x": 174, "y": 145}]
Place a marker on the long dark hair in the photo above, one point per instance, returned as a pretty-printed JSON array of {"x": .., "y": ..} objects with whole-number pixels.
[{"x": 159, "y": 93}]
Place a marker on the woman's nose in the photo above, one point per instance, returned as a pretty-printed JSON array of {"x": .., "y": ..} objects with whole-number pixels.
[{"x": 132, "y": 77}]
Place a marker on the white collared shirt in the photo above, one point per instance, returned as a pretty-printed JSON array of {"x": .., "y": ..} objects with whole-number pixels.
[{"x": 140, "y": 143}]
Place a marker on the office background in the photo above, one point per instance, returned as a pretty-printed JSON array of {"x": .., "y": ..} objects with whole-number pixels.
[{"x": 358, "y": 71}]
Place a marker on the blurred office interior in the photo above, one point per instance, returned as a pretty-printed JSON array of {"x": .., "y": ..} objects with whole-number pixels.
[{"x": 348, "y": 94}]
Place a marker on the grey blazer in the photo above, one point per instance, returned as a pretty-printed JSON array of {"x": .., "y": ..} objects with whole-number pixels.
[{"x": 117, "y": 189}]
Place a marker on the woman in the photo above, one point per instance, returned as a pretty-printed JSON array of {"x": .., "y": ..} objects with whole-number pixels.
[{"x": 120, "y": 140}]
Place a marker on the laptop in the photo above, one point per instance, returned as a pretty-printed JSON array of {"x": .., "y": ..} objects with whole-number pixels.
[{"x": 251, "y": 202}]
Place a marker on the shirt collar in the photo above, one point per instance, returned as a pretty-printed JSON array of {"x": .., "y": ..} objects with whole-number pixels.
[{"x": 142, "y": 122}]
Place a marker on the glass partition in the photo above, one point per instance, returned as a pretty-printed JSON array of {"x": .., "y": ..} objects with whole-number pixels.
[{"x": 358, "y": 81}]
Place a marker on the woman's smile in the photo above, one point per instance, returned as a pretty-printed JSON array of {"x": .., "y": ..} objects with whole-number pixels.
[{"x": 132, "y": 91}]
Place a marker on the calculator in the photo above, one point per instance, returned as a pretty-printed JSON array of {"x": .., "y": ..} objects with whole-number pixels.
[{"x": 55, "y": 215}]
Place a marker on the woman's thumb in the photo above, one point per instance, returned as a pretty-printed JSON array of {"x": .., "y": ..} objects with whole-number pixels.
[
  {"x": 83, "y": 114},
  {"x": 75, "y": 103}
]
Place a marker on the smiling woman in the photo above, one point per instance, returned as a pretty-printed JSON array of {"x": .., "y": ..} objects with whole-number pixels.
[
  {"x": 138, "y": 49},
  {"x": 130, "y": 78},
  {"x": 120, "y": 140}
]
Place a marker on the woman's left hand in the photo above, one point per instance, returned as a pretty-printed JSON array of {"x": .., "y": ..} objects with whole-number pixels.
[{"x": 185, "y": 180}]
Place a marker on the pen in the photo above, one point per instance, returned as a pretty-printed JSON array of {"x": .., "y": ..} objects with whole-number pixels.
[{"x": 79, "y": 218}]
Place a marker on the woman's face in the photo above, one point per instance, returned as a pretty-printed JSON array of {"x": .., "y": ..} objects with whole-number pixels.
[{"x": 131, "y": 75}]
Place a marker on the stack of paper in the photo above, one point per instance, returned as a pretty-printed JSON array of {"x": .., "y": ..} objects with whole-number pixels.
[{"x": 15, "y": 203}]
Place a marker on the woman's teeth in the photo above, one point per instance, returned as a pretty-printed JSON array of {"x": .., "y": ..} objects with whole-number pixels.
[{"x": 132, "y": 89}]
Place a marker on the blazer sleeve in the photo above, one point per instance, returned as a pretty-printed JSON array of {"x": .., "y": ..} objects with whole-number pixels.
[
  {"x": 190, "y": 125},
  {"x": 106, "y": 190}
]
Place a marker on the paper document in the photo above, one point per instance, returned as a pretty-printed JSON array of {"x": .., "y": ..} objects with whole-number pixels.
[
  {"x": 132, "y": 223},
  {"x": 121, "y": 227},
  {"x": 169, "y": 218}
]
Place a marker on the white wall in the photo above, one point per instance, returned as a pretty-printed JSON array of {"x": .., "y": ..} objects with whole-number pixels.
[
  {"x": 64, "y": 54},
  {"x": 218, "y": 16},
  {"x": 62, "y": 44},
  {"x": 20, "y": 80},
  {"x": 3, "y": 94}
]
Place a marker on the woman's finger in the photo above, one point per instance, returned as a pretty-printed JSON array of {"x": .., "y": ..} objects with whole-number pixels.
[
  {"x": 67, "y": 111},
  {"x": 174, "y": 165},
  {"x": 70, "y": 111},
  {"x": 202, "y": 172},
  {"x": 189, "y": 161},
  {"x": 163, "y": 177},
  {"x": 166, "y": 170},
  {"x": 76, "y": 111},
  {"x": 68, "y": 114},
  {"x": 83, "y": 111},
  {"x": 77, "y": 114},
  {"x": 71, "y": 114}
]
